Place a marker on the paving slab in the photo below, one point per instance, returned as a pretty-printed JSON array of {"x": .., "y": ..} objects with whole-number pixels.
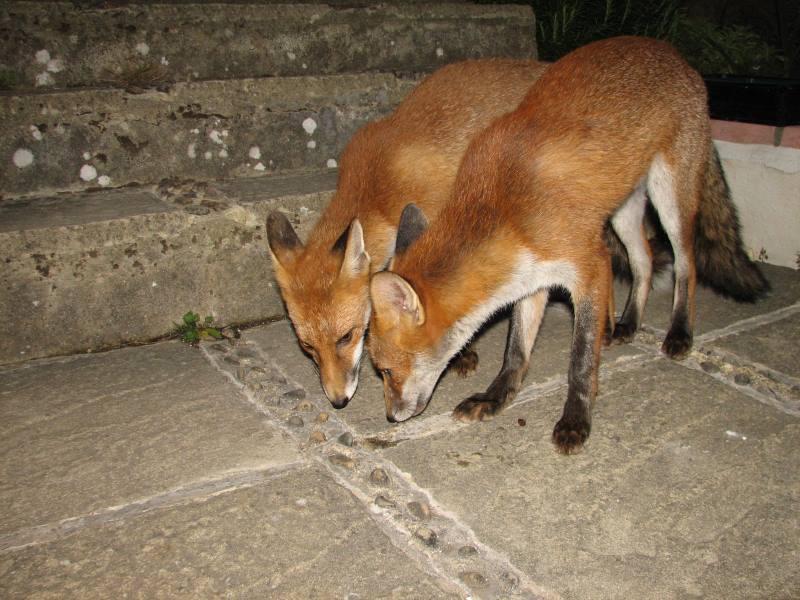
[
  {"x": 714, "y": 311},
  {"x": 60, "y": 44},
  {"x": 90, "y": 432},
  {"x": 686, "y": 489},
  {"x": 366, "y": 413},
  {"x": 298, "y": 536},
  {"x": 773, "y": 345}
]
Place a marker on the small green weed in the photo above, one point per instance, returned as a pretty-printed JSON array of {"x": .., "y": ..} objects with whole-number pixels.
[{"x": 192, "y": 330}]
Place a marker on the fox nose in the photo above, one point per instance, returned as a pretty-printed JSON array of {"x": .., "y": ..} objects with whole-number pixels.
[
  {"x": 340, "y": 402},
  {"x": 390, "y": 418}
]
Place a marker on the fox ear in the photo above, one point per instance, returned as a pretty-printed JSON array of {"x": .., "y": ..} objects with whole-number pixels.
[
  {"x": 282, "y": 239},
  {"x": 393, "y": 298},
  {"x": 412, "y": 224},
  {"x": 356, "y": 260}
]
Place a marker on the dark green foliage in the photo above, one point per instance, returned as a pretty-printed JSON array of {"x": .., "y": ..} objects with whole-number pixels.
[{"x": 193, "y": 331}]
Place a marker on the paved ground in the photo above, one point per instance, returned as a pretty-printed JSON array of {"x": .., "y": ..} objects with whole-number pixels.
[{"x": 167, "y": 471}]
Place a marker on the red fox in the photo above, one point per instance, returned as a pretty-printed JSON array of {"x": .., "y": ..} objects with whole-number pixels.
[
  {"x": 413, "y": 153},
  {"x": 603, "y": 128}
]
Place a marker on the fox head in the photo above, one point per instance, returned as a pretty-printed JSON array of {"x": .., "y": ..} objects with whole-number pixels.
[
  {"x": 404, "y": 345},
  {"x": 326, "y": 292}
]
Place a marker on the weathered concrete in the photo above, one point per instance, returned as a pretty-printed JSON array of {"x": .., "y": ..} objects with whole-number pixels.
[
  {"x": 165, "y": 470},
  {"x": 59, "y": 44},
  {"x": 77, "y": 140},
  {"x": 72, "y": 282}
]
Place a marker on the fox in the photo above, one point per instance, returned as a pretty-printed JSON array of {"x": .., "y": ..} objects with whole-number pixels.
[
  {"x": 603, "y": 129},
  {"x": 414, "y": 152}
]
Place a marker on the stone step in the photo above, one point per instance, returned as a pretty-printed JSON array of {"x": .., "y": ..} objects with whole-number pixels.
[
  {"x": 78, "y": 140},
  {"x": 128, "y": 45},
  {"x": 92, "y": 270}
]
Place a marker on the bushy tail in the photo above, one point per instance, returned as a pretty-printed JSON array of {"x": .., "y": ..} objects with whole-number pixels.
[{"x": 721, "y": 260}]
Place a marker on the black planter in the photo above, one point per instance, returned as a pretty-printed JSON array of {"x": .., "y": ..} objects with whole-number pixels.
[{"x": 754, "y": 99}]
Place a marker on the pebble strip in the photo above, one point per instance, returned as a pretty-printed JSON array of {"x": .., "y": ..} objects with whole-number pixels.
[{"x": 433, "y": 538}]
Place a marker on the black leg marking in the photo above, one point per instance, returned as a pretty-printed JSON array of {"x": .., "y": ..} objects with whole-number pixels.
[
  {"x": 525, "y": 321},
  {"x": 678, "y": 342},
  {"x": 573, "y": 428}
]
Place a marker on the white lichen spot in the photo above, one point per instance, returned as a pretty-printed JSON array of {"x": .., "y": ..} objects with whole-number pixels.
[
  {"x": 154, "y": 284},
  {"x": 291, "y": 55},
  {"x": 88, "y": 172},
  {"x": 310, "y": 125},
  {"x": 215, "y": 137},
  {"x": 104, "y": 180},
  {"x": 223, "y": 153},
  {"x": 305, "y": 66},
  {"x": 195, "y": 131},
  {"x": 260, "y": 167},
  {"x": 42, "y": 57},
  {"x": 164, "y": 61},
  {"x": 331, "y": 164},
  {"x": 36, "y": 303},
  {"x": 59, "y": 129},
  {"x": 391, "y": 42},
  {"x": 440, "y": 52},
  {"x": 301, "y": 502},
  {"x": 143, "y": 48},
  {"x": 254, "y": 153},
  {"x": 311, "y": 144},
  {"x": 73, "y": 39},
  {"x": 191, "y": 151},
  {"x": 87, "y": 156},
  {"x": 22, "y": 158},
  {"x": 224, "y": 133},
  {"x": 207, "y": 155},
  {"x": 44, "y": 78},
  {"x": 735, "y": 435},
  {"x": 55, "y": 65},
  {"x": 36, "y": 133}
]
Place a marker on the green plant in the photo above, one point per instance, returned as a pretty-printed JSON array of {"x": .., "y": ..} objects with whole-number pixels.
[{"x": 192, "y": 330}]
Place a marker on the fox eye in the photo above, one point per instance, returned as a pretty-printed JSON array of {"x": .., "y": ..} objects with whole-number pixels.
[
  {"x": 307, "y": 347},
  {"x": 345, "y": 339}
]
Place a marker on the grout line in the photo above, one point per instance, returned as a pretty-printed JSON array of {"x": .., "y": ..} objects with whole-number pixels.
[
  {"x": 194, "y": 492},
  {"x": 430, "y": 536},
  {"x": 748, "y": 324}
]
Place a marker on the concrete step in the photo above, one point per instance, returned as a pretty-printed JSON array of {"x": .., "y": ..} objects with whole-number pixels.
[
  {"x": 93, "y": 270},
  {"x": 80, "y": 44},
  {"x": 78, "y": 140}
]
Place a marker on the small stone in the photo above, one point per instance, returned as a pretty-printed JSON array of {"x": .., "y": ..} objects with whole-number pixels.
[
  {"x": 473, "y": 579},
  {"x": 467, "y": 551},
  {"x": 317, "y": 436},
  {"x": 221, "y": 348},
  {"x": 304, "y": 406},
  {"x": 323, "y": 417},
  {"x": 421, "y": 510},
  {"x": 521, "y": 422},
  {"x": 295, "y": 394},
  {"x": 232, "y": 360},
  {"x": 246, "y": 353},
  {"x": 709, "y": 367},
  {"x": 295, "y": 421},
  {"x": 197, "y": 210},
  {"x": 346, "y": 439},
  {"x": 384, "y": 502},
  {"x": 742, "y": 379},
  {"x": 427, "y": 536},
  {"x": 341, "y": 460},
  {"x": 277, "y": 378},
  {"x": 378, "y": 476},
  {"x": 510, "y": 580}
]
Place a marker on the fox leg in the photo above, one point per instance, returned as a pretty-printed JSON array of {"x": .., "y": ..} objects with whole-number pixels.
[
  {"x": 465, "y": 362},
  {"x": 572, "y": 430},
  {"x": 525, "y": 320},
  {"x": 676, "y": 201},
  {"x": 628, "y": 223}
]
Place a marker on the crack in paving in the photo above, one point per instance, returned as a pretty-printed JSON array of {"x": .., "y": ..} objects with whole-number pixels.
[
  {"x": 432, "y": 537},
  {"x": 199, "y": 491}
]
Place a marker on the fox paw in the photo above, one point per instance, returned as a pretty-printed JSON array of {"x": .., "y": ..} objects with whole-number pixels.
[
  {"x": 570, "y": 434},
  {"x": 476, "y": 408},
  {"x": 623, "y": 333},
  {"x": 465, "y": 363},
  {"x": 677, "y": 345}
]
